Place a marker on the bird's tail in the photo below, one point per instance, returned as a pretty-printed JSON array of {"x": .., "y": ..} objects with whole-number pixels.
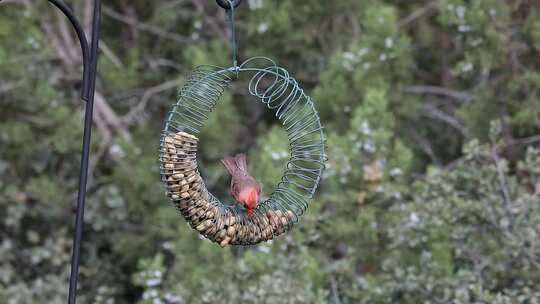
[
  {"x": 236, "y": 164},
  {"x": 241, "y": 162}
]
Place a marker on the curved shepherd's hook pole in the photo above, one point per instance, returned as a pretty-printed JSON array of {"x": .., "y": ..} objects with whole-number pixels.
[
  {"x": 87, "y": 60},
  {"x": 90, "y": 59}
]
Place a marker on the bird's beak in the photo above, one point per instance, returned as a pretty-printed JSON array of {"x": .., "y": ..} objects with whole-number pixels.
[{"x": 253, "y": 199}]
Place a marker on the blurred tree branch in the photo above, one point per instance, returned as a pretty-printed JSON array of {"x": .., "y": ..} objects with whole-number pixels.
[
  {"x": 440, "y": 91},
  {"x": 426, "y": 10},
  {"x": 138, "y": 110},
  {"x": 438, "y": 114},
  {"x": 144, "y": 27}
]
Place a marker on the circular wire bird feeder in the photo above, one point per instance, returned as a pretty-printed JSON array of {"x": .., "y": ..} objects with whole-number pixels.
[{"x": 224, "y": 223}]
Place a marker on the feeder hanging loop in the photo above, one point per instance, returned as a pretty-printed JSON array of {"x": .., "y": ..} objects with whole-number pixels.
[
  {"x": 226, "y": 4},
  {"x": 232, "y": 27}
]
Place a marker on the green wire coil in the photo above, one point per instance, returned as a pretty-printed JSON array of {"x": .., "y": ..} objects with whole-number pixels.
[
  {"x": 280, "y": 92},
  {"x": 274, "y": 87}
]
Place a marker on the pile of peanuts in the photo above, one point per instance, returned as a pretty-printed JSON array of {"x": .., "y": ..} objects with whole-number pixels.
[{"x": 220, "y": 224}]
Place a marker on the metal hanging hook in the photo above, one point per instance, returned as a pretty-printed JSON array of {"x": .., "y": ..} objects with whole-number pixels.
[
  {"x": 230, "y": 9},
  {"x": 226, "y": 5},
  {"x": 85, "y": 90}
]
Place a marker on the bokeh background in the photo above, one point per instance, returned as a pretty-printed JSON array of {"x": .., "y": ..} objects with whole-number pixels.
[{"x": 432, "y": 191}]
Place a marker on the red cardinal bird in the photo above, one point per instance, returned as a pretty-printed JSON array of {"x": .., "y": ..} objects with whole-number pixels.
[{"x": 244, "y": 188}]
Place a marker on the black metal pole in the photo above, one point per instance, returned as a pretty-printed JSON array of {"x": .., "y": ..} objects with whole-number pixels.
[
  {"x": 90, "y": 60},
  {"x": 83, "y": 174}
]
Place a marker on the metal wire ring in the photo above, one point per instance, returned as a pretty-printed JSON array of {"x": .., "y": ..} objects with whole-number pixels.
[{"x": 275, "y": 88}]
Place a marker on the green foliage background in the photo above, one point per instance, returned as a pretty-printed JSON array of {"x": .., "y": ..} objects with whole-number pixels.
[{"x": 432, "y": 191}]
